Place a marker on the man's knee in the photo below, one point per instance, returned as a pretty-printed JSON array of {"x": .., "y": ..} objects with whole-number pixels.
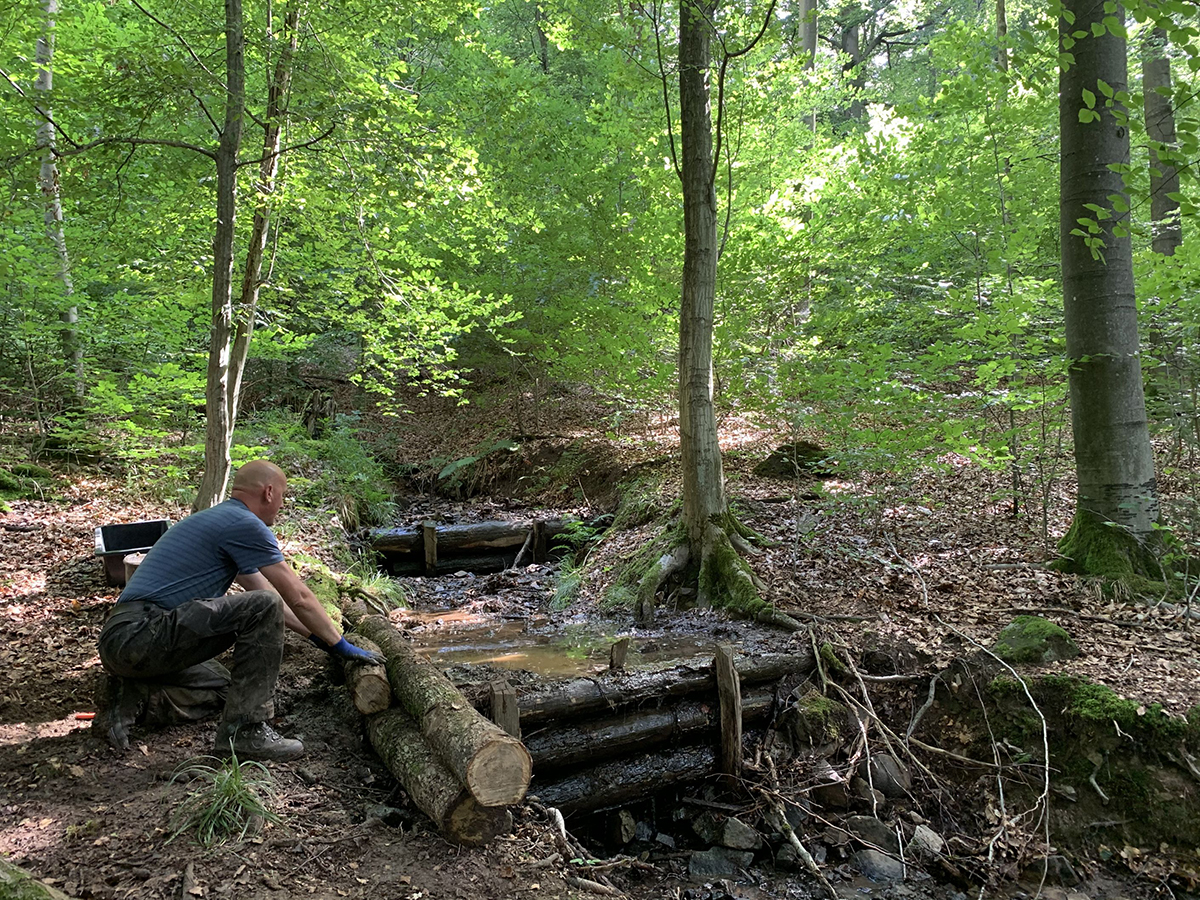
[{"x": 265, "y": 604}]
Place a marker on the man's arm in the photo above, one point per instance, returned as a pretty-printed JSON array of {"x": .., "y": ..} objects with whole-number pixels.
[
  {"x": 301, "y": 601},
  {"x": 255, "y": 581}
]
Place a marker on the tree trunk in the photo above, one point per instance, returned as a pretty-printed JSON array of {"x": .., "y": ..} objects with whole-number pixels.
[
  {"x": 808, "y": 45},
  {"x": 493, "y": 765},
  {"x": 51, "y": 197},
  {"x": 267, "y": 171},
  {"x": 1001, "y": 36},
  {"x": 1113, "y": 459},
  {"x": 1166, "y": 230},
  {"x": 851, "y": 46},
  {"x": 434, "y": 790},
  {"x": 704, "y": 501},
  {"x": 217, "y": 406}
]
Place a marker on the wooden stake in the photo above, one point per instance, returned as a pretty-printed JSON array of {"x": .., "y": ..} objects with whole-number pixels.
[
  {"x": 539, "y": 541},
  {"x": 429, "y": 535},
  {"x": 505, "y": 712},
  {"x": 729, "y": 693},
  {"x": 616, "y": 655}
]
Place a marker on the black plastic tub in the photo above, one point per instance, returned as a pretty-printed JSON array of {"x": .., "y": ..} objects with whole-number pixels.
[{"x": 115, "y": 542}]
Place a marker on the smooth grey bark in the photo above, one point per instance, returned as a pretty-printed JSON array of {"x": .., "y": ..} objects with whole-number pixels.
[
  {"x": 704, "y": 498},
  {"x": 808, "y": 44},
  {"x": 219, "y": 422},
  {"x": 1113, "y": 458},
  {"x": 1166, "y": 229},
  {"x": 1001, "y": 36},
  {"x": 233, "y": 323},
  {"x": 52, "y": 197}
]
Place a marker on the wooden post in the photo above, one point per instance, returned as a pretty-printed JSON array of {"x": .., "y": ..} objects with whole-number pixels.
[
  {"x": 616, "y": 656},
  {"x": 539, "y": 541},
  {"x": 729, "y": 692},
  {"x": 504, "y": 707},
  {"x": 429, "y": 535}
]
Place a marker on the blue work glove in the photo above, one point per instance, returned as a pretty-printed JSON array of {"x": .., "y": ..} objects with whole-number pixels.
[{"x": 343, "y": 649}]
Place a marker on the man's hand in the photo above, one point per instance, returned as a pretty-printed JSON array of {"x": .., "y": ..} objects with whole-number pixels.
[{"x": 343, "y": 649}]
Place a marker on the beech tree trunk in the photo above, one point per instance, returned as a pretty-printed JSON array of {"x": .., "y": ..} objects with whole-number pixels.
[
  {"x": 1113, "y": 459},
  {"x": 217, "y": 408},
  {"x": 434, "y": 789},
  {"x": 1166, "y": 230},
  {"x": 494, "y": 766},
  {"x": 52, "y": 199},
  {"x": 233, "y": 324}
]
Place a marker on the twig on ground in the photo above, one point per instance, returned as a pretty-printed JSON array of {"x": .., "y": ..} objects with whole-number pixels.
[
  {"x": 777, "y": 819},
  {"x": 925, "y": 707},
  {"x": 592, "y": 887}
]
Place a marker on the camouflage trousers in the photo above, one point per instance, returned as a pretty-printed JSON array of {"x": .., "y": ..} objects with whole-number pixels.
[{"x": 167, "y": 655}]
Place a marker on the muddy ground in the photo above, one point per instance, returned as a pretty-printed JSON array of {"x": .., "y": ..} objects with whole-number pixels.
[{"x": 931, "y": 564}]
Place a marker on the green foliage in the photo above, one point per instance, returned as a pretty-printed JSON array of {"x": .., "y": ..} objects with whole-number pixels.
[{"x": 226, "y": 800}]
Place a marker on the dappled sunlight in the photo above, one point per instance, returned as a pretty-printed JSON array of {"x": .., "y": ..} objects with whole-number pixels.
[{"x": 24, "y": 733}]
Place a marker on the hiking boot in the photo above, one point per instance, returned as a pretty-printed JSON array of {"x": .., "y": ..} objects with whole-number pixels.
[
  {"x": 255, "y": 740},
  {"x": 122, "y": 701}
]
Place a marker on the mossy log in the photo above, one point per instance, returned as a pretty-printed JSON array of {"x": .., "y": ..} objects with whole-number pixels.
[
  {"x": 638, "y": 731},
  {"x": 494, "y": 766},
  {"x": 434, "y": 789},
  {"x": 17, "y": 884},
  {"x": 367, "y": 682},
  {"x": 626, "y": 781},
  {"x": 607, "y": 692}
]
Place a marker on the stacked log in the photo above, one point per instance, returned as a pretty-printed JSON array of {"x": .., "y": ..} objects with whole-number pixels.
[{"x": 458, "y": 768}]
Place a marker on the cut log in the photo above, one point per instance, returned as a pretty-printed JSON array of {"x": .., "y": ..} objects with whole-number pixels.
[
  {"x": 626, "y": 781},
  {"x": 434, "y": 789},
  {"x": 604, "y": 692},
  {"x": 367, "y": 682},
  {"x": 462, "y": 539},
  {"x": 638, "y": 731},
  {"x": 448, "y": 565},
  {"x": 505, "y": 712},
  {"x": 493, "y": 765}
]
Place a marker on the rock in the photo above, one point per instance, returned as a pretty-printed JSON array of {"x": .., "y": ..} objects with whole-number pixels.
[
  {"x": 863, "y": 791},
  {"x": 796, "y": 814},
  {"x": 872, "y": 831},
  {"x": 1058, "y": 871},
  {"x": 707, "y": 828},
  {"x": 718, "y": 862},
  {"x": 737, "y": 835},
  {"x": 831, "y": 795},
  {"x": 889, "y": 775},
  {"x": 802, "y": 458},
  {"x": 926, "y": 842},
  {"x": 879, "y": 866},
  {"x": 1034, "y": 640},
  {"x": 814, "y": 721},
  {"x": 644, "y": 831},
  {"x": 665, "y": 839},
  {"x": 787, "y": 859}
]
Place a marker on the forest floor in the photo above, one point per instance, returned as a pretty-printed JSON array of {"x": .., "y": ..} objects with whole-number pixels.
[{"x": 930, "y": 562}]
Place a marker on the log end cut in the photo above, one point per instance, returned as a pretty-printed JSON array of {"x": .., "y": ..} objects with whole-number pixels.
[
  {"x": 473, "y": 825},
  {"x": 499, "y": 773}
]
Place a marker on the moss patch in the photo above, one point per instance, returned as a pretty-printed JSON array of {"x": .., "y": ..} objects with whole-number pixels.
[
  {"x": 814, "y": 720},
  {"x": 1032, "y": 639},
  {"x": 1094, "y": 547}
]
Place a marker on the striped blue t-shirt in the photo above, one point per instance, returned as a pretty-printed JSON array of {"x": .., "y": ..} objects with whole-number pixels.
[{"x": 201, "y": 555}]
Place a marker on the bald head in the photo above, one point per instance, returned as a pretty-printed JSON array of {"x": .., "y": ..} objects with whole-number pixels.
[{"x": 260, "y": 485}]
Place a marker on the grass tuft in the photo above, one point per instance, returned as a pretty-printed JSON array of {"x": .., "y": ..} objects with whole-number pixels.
[{"x": 229, "y": 799}]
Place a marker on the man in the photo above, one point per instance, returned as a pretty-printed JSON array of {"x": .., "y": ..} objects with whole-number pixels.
[{"x": 174, "y": 616}]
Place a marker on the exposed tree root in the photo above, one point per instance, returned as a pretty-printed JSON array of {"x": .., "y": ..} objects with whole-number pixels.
[{"x": 1104, "y": 550}]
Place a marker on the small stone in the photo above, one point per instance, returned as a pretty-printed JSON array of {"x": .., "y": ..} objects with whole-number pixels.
[
  {"x": 787, "y": 859},
  {"x": 707, "y": 828},
  {"x": 863, "y": 791},
  {"x": 889, "y": 775},
  {"x": 872, "y": 831},
  {"x": 665, "y": 839},
  {"x": 718, "y": 862},
  {"x": 1060, "y": 871},
  {"x": 644, "y": 832},
  {"x": 878, "y": 866},
  {"x": 737, "y": 835},
  {"x": 832, "y": 795},
  {"x": 307, "y": 776},
  {"x": 926, "y": 842}
]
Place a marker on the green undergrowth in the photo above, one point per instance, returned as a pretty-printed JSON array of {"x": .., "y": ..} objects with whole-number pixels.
[{"x": 26, "y": 481}]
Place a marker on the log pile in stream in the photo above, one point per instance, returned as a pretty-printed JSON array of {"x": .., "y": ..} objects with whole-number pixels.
[
  {"x": 595, "y": 742},
  {"x": 432, "y": 549}
]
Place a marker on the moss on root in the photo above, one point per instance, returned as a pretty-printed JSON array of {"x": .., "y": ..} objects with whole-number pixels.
[{"x": 1097, "y": 548}]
